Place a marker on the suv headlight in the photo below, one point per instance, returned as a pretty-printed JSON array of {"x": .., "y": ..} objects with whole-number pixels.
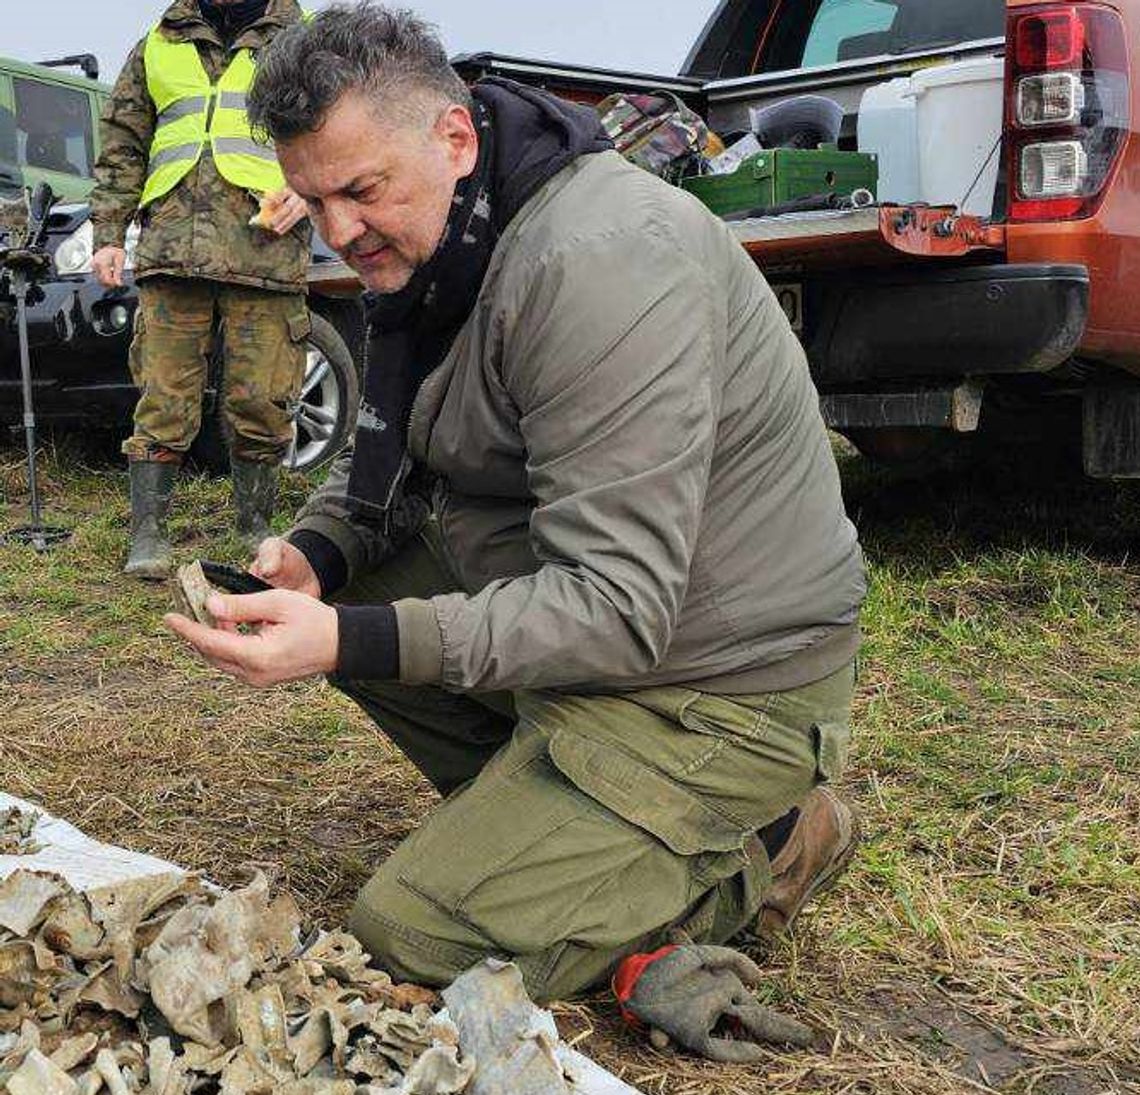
[{"x": 73, "y": 256}]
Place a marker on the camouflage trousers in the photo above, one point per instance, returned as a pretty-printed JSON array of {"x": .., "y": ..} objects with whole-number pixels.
[
  {"x": 263, "y": 349},
  {"x": 578, "y": 829}
]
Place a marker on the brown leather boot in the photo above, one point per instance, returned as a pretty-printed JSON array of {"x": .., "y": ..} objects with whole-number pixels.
[{"x": 818, "y": 849}]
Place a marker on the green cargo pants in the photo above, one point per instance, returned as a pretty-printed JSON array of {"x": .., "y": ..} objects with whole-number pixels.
[
  {"x": 264, "y": 350},
  {"x": 578, "y": 829}
]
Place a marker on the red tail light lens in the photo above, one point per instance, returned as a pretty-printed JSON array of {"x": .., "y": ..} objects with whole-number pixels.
[
  {"x": 1068, "y": 108},
  {"x": 1050, "y": 39}
]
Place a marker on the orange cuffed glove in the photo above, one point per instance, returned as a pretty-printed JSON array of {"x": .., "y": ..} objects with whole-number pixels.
[{"x": 685, "y": 991}]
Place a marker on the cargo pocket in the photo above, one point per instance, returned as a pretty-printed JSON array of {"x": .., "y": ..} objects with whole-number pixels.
[
  {"x": 750, "y": 762},
  {"x": 652, "y": 801},
  {"x": 300, "y": 326},
  {"x": 832, "y": 741},
  {"x": 712, "y": 844},
  {"x": 287, "y": 387},
  {"x": 551, "y": 840},
  {"x": 135, "y": 353}
]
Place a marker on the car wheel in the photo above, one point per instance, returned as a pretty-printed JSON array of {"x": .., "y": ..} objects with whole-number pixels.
[
  {"x": 906, "y": 446},
  {"x": 324, "y": 416}
]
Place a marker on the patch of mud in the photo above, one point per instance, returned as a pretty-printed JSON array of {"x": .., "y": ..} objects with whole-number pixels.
[{"x": 931, "y": 1025}]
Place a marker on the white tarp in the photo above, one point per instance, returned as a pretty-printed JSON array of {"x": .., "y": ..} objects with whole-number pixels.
[
  {"x": 84, "y": 862},
  {"x": 87, "y": 863}
]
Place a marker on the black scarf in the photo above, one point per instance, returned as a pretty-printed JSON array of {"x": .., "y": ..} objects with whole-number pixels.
[{"x": 525, "y": 138}]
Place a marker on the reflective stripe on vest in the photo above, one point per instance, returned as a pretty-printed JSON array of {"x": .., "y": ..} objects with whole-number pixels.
[{"x": 191, "y": 111}]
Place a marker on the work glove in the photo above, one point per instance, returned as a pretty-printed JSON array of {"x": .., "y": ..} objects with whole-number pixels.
[{"x": 684, "y": 991}]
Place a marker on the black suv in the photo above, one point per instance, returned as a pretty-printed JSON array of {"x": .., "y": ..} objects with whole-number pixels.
[{"x": 79, "y": 332}]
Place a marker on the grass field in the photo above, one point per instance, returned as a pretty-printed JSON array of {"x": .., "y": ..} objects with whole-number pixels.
[{"x": 987, "y": 936}]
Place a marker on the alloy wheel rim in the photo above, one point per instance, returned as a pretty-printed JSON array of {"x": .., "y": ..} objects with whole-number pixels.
[{"x": 315, "y": 413}]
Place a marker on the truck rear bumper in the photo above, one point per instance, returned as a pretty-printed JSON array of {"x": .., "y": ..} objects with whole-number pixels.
[{"x": 966, "y": 321}]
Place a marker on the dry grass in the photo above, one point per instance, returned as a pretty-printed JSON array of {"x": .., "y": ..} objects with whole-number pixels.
[{"x": 987, "y": 936}]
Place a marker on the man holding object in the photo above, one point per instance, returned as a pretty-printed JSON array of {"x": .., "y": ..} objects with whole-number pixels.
[{"x": 588, "y": 564}]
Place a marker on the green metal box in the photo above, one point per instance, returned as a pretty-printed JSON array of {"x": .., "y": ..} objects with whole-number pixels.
[{"x": 777, "y": 175}]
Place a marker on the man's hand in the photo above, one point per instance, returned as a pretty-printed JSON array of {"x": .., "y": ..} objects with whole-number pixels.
[
  {"x": 284, "y": 566},
  {"x": 108, "y": 264},
  {"x": 295, "y": 636},
  {"x": 288, "y": 209}
]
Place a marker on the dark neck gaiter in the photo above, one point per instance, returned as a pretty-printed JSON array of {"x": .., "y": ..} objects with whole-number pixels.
[{"x": 229, "y": 20}]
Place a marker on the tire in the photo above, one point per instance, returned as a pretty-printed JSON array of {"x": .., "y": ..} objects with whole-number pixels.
[
  {"x": 908, "y": 447},
  {"x": 330, "y": 395},
  {"x": 324, "y": 417}
]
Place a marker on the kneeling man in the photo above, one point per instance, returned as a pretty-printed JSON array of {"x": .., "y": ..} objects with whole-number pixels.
[{"x": 587, "y": 563}]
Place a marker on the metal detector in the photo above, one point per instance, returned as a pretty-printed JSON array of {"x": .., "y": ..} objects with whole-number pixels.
[{"x": 20, "y": 268}]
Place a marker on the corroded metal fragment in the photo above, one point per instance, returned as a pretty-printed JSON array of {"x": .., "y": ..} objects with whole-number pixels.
[
  {"x": 38, "y": 1075},
  {"x": 16, "y": 831},
  {"x": 504, "y": 1032},
  {"x": 161, "y": 986},
  {"x": 24, "y": 897},
  {"x": 191, "y": 589}
]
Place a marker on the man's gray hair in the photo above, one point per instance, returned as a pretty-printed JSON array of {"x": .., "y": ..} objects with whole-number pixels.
[{"x": 389, "y": 55}]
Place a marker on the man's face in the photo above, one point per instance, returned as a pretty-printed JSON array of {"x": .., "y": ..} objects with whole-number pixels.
[{"x": 380, "y": 194}]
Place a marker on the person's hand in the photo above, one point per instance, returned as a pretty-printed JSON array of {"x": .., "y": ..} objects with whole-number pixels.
[
  {"x": 684, "y": 992},
  {"x": 287, "y": 209},
  {"x": 294, "y": 636},
  {"x": 284, "y": 566},
  {"x": 108, "y": 264}
]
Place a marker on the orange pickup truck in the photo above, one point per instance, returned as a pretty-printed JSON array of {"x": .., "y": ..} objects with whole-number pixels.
[{"x": 1008, "y": 308}]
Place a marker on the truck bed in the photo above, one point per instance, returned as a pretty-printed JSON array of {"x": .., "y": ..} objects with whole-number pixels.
[{"x": 729, "y": 101}]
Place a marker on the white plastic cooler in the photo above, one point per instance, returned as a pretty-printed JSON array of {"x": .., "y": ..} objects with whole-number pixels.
[{"x": 937, "y": 131}]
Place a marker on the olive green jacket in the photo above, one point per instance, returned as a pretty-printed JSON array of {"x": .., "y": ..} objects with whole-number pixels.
[
  {"x": 634, "y": 482},
  {"x": 200, "y": 229}
]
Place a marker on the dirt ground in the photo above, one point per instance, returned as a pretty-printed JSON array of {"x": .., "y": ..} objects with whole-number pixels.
[{"x": 987, "y": 936}]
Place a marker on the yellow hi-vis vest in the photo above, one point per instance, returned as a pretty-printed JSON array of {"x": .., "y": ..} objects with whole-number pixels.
[{"x": 191, "y": 111}]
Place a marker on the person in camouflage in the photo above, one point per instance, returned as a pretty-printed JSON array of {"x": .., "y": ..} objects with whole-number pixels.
[{"x": 200, "y": 262}]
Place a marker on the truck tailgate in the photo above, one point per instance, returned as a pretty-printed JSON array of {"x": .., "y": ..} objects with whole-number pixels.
[{"x": 836, "y": 239}]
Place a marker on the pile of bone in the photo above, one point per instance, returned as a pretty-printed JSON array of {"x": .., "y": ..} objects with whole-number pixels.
[{"x": 163, "y": 985}]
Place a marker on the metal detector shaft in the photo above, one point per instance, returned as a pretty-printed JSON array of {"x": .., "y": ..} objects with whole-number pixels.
[
  {"x": 20, "y": 290},
  {"x": 24, "y": 264}
]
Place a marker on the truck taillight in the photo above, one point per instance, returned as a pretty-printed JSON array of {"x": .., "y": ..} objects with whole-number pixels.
[
  {"x": 1057, "y": 98},
  {"x": 1067, "y": 108},
  {"x": 1049, "y": 39},
  {"x": 1053, "y": 169}
]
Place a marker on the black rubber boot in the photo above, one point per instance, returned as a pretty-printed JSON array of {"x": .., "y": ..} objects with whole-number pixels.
[
  {"x": 152, "y": 483},
  {"x": 255, "y": 491}
]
